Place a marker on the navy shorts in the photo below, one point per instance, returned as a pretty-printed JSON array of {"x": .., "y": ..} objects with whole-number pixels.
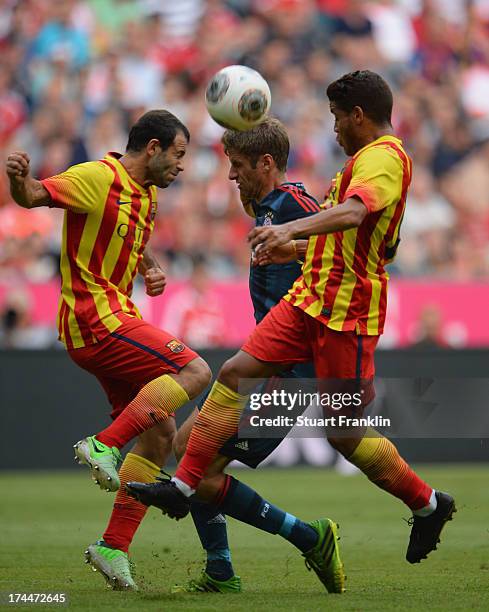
[{"x": 252, "y": 451}]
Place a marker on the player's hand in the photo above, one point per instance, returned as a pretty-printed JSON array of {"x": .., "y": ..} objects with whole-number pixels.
[
  {"x": 155, "y": 281},
  {"x": 270, "y": 237},
  {"x": 278, "y": 255},
  {"x": 17, "y": 166}
]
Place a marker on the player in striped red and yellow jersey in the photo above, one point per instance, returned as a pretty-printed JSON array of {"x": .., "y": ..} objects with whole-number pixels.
[
  {"x": 335, "y": 313},
  {"x": 108, "y": 221},
  {"x": 147, "y": 373},
  {"x": 344, "y": 282}
]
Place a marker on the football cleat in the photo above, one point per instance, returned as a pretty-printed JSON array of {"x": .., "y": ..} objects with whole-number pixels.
[
  {"x": 207, "y": 584},
  {"x": 114, "y": 565},
  {"x": 426, "y": 530},
  {"x": 103, "y": 461},
  {"x": 324, "y": 558},
  {"x": 163, "y": 494}
]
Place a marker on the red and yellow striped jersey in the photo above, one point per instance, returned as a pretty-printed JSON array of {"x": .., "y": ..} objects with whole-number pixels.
[
  {"x": 343, "y": 282},
  {"x": 107, "y": 223}
]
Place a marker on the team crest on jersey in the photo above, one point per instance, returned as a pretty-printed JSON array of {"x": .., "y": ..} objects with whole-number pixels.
[
  {"x": 268, "y": 220},
  {"x": 175, "y": 346}
]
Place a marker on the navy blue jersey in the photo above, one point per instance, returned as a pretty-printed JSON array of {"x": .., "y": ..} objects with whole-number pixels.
[{"x": 268, "y": 284}]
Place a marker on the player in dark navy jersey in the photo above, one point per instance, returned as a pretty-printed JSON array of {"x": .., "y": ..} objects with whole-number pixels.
[
  {"x": 258, "y": 161},
  {"x": 268, "y": 284}
]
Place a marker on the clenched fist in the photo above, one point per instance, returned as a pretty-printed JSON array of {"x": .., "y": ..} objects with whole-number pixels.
[
  {"x": 17, "y": 166},
  {"x": 155, "y": 281}
]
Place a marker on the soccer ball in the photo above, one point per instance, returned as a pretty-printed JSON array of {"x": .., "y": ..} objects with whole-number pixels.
[{"x": 238, "y": 98}]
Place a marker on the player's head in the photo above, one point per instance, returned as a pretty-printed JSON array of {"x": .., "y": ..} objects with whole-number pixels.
[
  {"x": 361, "y": 103},
  {"x": 160, "y": 139},
  {"x": 257, "y": 158}
]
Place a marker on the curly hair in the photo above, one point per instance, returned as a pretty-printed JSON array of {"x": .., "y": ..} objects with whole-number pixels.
[{"x": 365, "y": 89}]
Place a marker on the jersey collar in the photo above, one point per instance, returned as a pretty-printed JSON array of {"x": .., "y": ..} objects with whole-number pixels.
[
  {"x": 114, "y": 157},
  {"x": 256, "y": 205},
  {"x": 386, "y": 138}
]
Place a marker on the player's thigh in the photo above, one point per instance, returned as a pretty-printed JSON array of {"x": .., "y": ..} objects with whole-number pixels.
[
  {"x": 136, "y": 353},
  {"x": 343, "y": 355},
  {"x": 277, "y": 342},
  {"x": 345, "y": 368}
]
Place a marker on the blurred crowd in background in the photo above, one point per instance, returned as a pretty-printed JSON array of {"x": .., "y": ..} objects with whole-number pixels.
[{"x": 74, "y": 75}]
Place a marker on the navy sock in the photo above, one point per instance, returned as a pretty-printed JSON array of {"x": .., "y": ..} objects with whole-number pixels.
[
  {"x": 245, "y": 505},
  {"x": 211, "y": 527}
]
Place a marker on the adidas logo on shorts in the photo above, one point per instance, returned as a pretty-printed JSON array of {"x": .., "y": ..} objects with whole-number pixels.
[
  {"x": 242, "y": 445},
  {"x": 219, "y": 518}
]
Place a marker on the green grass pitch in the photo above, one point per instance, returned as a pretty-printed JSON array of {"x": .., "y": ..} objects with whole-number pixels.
[{"x": 48, "y": 519}]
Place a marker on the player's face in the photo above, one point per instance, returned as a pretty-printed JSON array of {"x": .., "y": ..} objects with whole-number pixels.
[
  {"x": 165, "y": 166},
  {"x": 248, "y": 179},
  {"x": 344, "y": 128}
]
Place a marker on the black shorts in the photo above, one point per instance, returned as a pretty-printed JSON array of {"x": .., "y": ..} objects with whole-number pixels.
[{"x": 252, "y": 451}]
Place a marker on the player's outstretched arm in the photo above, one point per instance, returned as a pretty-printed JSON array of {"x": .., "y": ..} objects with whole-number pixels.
[
  {"x": 25, "y": 190},
  {"x": 336, "y": 219},
  {"x": 154, "y": 277}
]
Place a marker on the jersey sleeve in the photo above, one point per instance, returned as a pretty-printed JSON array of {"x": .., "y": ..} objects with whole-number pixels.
[
  {"x": 80, "y": 188},
  {"x": 376, "y": 178},
  {"x": 296, "y": 206}
]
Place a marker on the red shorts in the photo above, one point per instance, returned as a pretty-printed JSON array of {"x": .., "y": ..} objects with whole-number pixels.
[
  {"x": 288, "y": 335},
  {"x": 129, "y": 358}
]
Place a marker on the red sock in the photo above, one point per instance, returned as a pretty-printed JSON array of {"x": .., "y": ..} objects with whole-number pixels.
[
  {"x": 380, "y": 461},
  {"x": 217, "y": 422},
  {"x": 154, "y": 403},
  {"x": 128, "y": 513}
]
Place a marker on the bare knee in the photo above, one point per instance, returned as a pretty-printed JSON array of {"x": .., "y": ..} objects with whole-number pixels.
[
  {"x": 194, "y": 377},
  {"x": 230, "y": 373},
  {"x": 243, "y": 366},
  {"x": 156, "y": 443}
]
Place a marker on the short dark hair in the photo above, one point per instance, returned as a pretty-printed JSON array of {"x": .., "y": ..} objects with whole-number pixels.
[
  {"x": 365, "y": 89},
  {"x": 270, "y": 137},
  {"x": 160, "y": 124}
]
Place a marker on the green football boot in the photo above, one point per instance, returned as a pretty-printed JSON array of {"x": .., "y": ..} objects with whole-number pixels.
[
  {"x": 103, "y": 461},
  {"x": 324, "y": 558},
  {"x": 113, "y": 564},
  {"x": 206, "y": 584}
]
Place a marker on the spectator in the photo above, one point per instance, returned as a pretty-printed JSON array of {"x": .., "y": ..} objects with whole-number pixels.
[
  {"x": 76, "y": 72},
  {"x": 16, "y": 328},
  {"x": 195, "y": 312},
  {"x": 429, "y": 333}
]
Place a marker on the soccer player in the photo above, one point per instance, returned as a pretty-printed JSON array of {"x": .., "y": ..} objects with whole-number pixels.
[
  {"x": 147, "y": 374},
  {"x": 333, "y": 314},
  {"x": 258, "y": 162}
]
